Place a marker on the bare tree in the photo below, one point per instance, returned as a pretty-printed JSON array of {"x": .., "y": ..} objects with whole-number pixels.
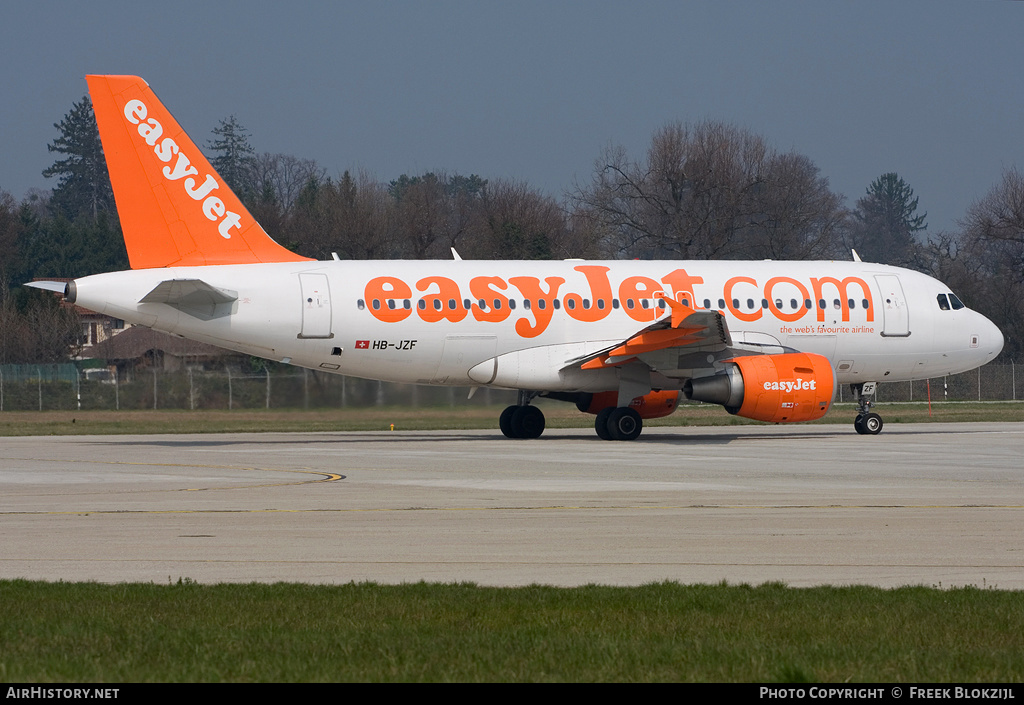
[
  {"x": 795, "y": 214},
  {"x": 999, "y": 215},
  {"x": 45, "y": 331},
  {"x": 519, "y": 222},
  {"x": 709, "y": 191},
  {"x": 421, "y": 214},
  {"x": 353, "y": 217},
  {"x": 280, "y": 178}
]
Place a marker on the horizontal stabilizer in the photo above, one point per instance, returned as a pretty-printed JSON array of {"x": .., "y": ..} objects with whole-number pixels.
[{"x": 192, "y": 296}]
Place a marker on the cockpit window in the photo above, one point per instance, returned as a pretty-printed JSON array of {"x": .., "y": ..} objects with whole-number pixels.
[
  {"x": 943, "y": 302},
  {"x": 955, "y": 302}
]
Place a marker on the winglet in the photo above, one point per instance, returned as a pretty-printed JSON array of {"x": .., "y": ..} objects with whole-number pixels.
[
  {"x": 175, "y": 210},
  {"x": 679, "y": 312}
]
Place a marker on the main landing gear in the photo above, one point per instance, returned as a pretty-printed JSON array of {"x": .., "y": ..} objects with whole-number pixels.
[
  {"x": 522, "y": 420},
  {"x": 867, "y": 422},
  {"x": 612, "y": 423},
  {"x": 618, "y": 424}
]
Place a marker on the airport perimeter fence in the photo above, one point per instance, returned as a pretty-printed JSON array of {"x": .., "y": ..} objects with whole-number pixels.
[{"x": 66, "y": 387}]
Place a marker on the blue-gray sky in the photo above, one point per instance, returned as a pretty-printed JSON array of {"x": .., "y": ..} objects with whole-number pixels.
[{"x": 933, "y": 90}]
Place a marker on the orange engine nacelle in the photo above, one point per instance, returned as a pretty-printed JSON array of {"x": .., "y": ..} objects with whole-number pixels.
[
  {"x": 777, "y": 388},
  {"x": 650, "y": 406}
]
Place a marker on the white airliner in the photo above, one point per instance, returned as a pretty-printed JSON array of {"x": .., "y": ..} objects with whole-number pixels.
[{"x": 625, "y": 340}]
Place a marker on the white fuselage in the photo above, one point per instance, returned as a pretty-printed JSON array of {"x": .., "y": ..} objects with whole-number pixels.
[{"x": 408, "y": 321}]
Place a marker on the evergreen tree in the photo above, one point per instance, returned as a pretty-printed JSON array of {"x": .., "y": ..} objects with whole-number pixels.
[
  {"x": 886, "y": 223},
  {"x": 84, "y": 186},
  {"x": 10, "y": 235},
  {"x": 233, "y": 156}
]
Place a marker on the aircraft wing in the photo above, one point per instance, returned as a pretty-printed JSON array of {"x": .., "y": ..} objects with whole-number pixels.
[{"x": 686, "y": 330}]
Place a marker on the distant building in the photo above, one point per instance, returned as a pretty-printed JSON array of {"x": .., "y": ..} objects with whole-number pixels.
[{"x": 137, "y": 347}]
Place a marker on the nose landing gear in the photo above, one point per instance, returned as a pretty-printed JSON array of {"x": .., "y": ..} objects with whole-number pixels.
[{"x": 867, "y": 422}]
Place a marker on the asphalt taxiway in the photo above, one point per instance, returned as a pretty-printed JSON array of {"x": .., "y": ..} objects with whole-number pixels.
[{"x": 931, "y": 504}]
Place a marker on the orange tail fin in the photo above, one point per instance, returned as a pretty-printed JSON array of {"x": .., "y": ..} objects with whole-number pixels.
[{"x": 175, "y": 210}]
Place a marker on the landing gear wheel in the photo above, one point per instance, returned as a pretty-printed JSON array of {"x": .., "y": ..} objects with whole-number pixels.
[
  {"x": 527, "y": 422},
  {"x": 872, "y": 424},
  {"x": 624, "y": 424},
  {"x": 867, "y": 422},
  {"x": 505, "y": 421},
  {"x": 601, "y": 423}
]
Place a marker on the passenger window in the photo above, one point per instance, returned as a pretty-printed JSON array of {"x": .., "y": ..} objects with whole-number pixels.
[
  {"x": 570, "y": 304},
  {"x": 422, "y": 304},
  {"x": 361, "y": 304},
  {"x": 943, "y": 302},
  {"x": 437, "y": 304}
]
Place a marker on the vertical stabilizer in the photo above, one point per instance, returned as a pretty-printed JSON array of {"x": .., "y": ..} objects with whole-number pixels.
[{"x": 175, "y": 210}]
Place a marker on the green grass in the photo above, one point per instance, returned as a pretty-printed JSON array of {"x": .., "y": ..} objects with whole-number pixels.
[
  {"x": 426, "y": 632},
  {"x": 559, "y": 415}
]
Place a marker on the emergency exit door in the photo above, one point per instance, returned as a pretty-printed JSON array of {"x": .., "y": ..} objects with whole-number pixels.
[{"x": 316, "y": 306}]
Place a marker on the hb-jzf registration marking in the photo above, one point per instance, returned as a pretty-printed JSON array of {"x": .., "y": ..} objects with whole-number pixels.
[{"x": 400, "y": 345}]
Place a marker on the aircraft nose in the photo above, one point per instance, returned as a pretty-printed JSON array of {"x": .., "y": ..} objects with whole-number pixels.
[
  {"x": 997, "y": 338},
  {"x": 992, "y": 339}
]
